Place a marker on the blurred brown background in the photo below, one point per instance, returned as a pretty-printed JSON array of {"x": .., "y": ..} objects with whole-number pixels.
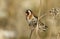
[{"x": 14, "y": 12}]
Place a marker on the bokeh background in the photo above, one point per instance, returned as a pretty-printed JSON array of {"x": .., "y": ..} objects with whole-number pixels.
[{"x": 12, "y": 17}]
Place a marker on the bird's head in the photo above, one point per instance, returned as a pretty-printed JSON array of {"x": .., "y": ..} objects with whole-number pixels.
[{"x": 28, "y": 12}]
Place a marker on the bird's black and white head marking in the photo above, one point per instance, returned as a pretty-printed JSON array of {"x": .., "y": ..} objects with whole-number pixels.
[{"x": 28, "y": 12}]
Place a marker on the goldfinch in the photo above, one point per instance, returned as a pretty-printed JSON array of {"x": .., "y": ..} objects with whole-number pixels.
[{"x": 32, "y": 20}]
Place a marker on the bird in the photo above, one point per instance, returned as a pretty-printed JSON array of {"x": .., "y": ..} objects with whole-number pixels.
[{"x": 31, "y": 19}]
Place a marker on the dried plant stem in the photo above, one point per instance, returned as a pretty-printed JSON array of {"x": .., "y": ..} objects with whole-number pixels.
[{"x": 31, "y": 33}]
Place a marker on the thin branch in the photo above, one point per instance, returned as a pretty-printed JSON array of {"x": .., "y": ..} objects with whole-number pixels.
[{"x": 31, "y": 33}]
